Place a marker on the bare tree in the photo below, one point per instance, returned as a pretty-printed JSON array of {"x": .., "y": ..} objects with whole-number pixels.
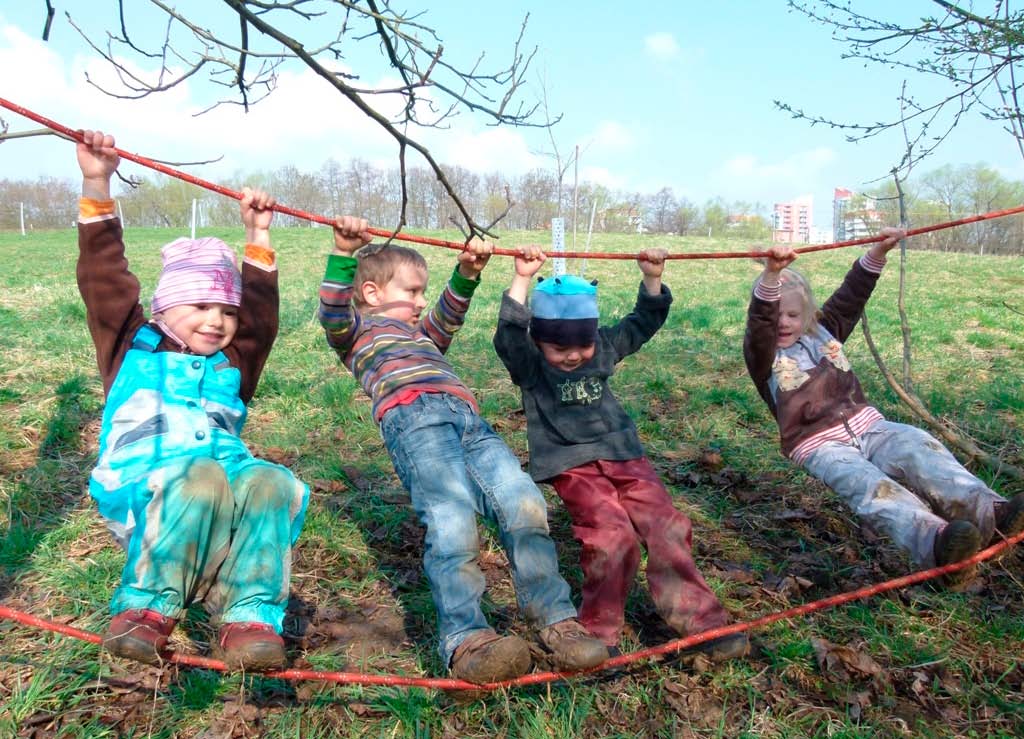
[
  {"x": 244, "y": 59},
  {"x": 977, "y": 54},
  {"x": 562, "y": 161}
]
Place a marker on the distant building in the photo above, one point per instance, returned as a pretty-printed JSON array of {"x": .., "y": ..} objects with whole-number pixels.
[
  {"x": 740, "y": 219},
  {"x": 821, "y": 235},
  {"x": 628, "y": 218},
  {"x": 854, "y": 216},
  {"x": 791, "y": 222}
]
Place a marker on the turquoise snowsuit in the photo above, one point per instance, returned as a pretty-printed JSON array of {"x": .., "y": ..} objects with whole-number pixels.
[{"x": 201, "y": 518}]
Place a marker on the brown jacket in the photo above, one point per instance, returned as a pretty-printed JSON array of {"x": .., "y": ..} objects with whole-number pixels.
[
  {"x": 114, "y": 314},
  {"x": 830, "y": 394}
]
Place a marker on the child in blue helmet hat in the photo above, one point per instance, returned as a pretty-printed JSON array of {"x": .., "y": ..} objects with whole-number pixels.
[{"x": 586, "y": 446}]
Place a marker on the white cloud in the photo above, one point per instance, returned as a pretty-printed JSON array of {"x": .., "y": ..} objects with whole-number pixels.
[
  {"x": 491, "y": 150},
  {"x": 794, "y": 167},
  {"x": 610, "y": 137},
  {"x": 601, "y": 176},
  {"x": 303, "y": 122},
  {"x": 661, "y": 46}
]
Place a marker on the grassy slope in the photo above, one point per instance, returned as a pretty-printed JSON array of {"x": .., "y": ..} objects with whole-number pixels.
[{"x": 919, "y": 662}]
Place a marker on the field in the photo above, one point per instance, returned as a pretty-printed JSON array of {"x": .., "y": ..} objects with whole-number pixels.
[{"x": 917, "y": 662}]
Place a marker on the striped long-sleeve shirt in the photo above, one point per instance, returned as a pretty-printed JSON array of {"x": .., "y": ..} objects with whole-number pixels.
[{"x": 388, "y": 357}]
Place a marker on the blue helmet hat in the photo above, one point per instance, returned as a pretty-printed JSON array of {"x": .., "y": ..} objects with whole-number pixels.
[{"x": 565, "y": 311}]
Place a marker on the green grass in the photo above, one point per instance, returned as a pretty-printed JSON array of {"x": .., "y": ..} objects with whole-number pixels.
[{"x": 951, "y": 663}]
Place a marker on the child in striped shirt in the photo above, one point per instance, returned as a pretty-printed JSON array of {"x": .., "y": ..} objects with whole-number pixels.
[
  {"x": 453, "y": 464},
  {"x": 794, "y": 354}
]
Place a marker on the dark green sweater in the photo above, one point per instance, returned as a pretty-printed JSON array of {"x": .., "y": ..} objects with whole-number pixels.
[{"x": 573, "y": 418}]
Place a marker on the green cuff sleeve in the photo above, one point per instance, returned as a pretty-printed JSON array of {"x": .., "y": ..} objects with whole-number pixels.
[
  {"x": 463, "y": 286},
  {"x": 340, "y": 269}
]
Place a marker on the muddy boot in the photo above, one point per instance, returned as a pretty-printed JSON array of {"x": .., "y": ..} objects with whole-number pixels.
[
  {"x": 722, "y": 649},
  {"x": 572, "y": 647},
  {"x": 1009, "y": 517},
  {"x": 249, "y": 646},
  {"x": 139, "y": 634},
  {"x": 486, "y": 657},
  {"x": 1009, "y": 522},
  {"x": 957, "y": 541}
]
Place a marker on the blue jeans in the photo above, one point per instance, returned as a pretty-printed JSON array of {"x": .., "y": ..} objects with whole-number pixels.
[
  {"x": 862, "y": 472},
  {"x": 455, "y": 468}
]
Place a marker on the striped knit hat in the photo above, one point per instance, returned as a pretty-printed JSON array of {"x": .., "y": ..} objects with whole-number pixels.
[
  {"x": 197, "y": 271},
  {"x": 565, "y": 311}
]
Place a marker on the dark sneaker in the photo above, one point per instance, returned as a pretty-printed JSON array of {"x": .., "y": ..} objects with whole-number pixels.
[
  {"x": 139, "y": 634},
  {"x": 572, "y": 647},
  {"x": 957, "y": 541},
  {"x": 249, "y": 646},
  {"x": 723, "y": 649},
  {"x": 1009, "y": 522},
  {"x": 1009, "y": 518},
  {"x": 486, "y": 657}
]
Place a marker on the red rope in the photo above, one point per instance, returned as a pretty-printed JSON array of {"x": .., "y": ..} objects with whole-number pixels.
[
  {"x": 77, "y": 135},
  {"x": 358, "y": 678}
]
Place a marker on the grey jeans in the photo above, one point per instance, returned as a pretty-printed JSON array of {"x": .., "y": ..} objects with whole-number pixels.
[{"x": 864, "y": 473}]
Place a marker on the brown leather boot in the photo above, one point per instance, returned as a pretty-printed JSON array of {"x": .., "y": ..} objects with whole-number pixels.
[
  {"x": 139, "y": 634},
  {"x": 249, "y": 646},
  {"x": 572, "y": 647},
  {"x": 486, "y": 657}
]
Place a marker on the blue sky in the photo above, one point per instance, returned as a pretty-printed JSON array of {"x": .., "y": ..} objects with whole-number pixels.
[{"x": 657, "y": 94}]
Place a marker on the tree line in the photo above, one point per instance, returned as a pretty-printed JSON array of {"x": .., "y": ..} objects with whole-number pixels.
[
  {"x": 375, "y": 193},
  {"x": 943, "y": 194}
]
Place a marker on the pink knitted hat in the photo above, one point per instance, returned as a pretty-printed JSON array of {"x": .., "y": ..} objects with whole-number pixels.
[{"x": 197, "y": 271}]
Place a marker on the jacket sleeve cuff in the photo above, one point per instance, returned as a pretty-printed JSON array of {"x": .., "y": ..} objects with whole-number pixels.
[
  {"x": 91, "y": 209},
  {"x": 514, "y": 312},
  {"x": 462, "y": 286},
  {"x": 869, "y": 263},
  {"x": 767, "y": 292},
  {"x": 262, "y": 257},
  {"x": 661, "y": 300},
  {"x": 340, "y": 269}
]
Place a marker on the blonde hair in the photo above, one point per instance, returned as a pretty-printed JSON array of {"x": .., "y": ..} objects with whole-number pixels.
[
  {"x": 377, "y": 263},
  {"x": 794, "y": 282}
]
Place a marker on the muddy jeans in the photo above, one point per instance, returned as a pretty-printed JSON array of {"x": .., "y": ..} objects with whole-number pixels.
[
  {"x": 616, "y": 506},
  {"x": 864, "y": 474},
  {"x": 456, "y": 468},
  {"x": 221, "y": 535}
]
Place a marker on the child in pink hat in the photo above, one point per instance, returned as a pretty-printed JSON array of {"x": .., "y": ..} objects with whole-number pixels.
[{"x": 200, "y": 518}]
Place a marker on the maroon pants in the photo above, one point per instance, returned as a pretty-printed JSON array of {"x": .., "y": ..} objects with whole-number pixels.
[{"x": 615, "y": 506}]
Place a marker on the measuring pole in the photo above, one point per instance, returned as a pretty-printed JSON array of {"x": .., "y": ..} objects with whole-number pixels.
[{"x": 558, "y": 245}]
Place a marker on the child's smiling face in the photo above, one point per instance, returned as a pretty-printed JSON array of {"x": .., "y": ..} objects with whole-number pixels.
[
  {"x": 791, "y": 318},
  {"x": 566, "y": 358},
  {"x": 205, "y": 328}
]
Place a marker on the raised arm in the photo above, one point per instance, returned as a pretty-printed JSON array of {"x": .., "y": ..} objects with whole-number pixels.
[
  {"x": 512, "y": 341},
  {"x": 651, "y": 310},
  {"x": 110, "y": 292},
  {"x": 761, "y": 337},
  {"x": 258, "y": 314},
  {"x": 840, "y": 313},
  {"x": 337, "y": 314}
]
